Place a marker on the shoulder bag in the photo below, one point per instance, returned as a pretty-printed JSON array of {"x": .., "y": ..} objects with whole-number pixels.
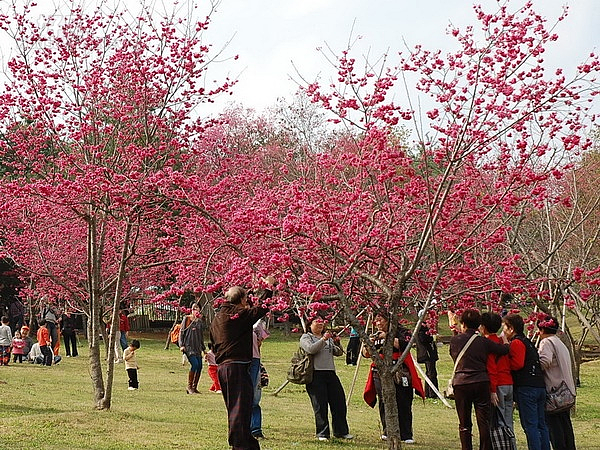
[
  {"x": 559, "y": 398},
  {"x": 449, "y": 392}
]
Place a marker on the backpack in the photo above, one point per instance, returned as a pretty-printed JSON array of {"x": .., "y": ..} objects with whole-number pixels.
[
  {"x": 301, "y": 368},
  {"x": 175, "y": 334}
]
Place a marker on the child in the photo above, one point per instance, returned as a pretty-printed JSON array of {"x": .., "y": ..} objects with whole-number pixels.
[
  {"x": 209, "y": 357},
  {"x": 5, "y": 341},
  {"x": 43, "y": 337},
  {"x": 18, "y": 345},
  {"x": 131, "y": 364}
]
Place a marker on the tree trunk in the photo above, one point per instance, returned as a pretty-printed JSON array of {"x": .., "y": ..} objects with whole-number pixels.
[
  {"x": 391, "y": 409},
  {"x": 106, "y": 400}
]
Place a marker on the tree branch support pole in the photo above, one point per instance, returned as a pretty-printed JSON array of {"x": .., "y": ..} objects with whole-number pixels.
[
  {"x": 432, "y": 386},
  {"x": 358, "y": 361}
]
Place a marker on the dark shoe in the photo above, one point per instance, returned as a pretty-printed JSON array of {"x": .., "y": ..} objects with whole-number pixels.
[{"x": 258, "y": 435}]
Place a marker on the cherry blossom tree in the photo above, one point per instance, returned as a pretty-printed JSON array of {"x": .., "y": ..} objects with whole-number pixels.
[
  {"x": 558, "y": 244},
  {"x": 99, "y": 103},
  {"x": 381, "y": 221}
]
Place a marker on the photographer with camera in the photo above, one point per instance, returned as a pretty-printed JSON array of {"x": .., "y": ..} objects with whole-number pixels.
[{"x": 325, "y": 390}]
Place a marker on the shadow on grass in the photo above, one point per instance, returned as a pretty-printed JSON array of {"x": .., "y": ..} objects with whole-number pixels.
[{"x": 20, "y": 410}]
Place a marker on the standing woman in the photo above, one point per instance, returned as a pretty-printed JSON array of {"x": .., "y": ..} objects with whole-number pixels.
[
  {"x": 404, "y": 389},
  {"x": 191, "y": 342},
  {"x": 528, "y": 383},
  {"x": 556, "y": 365},
  {"x": 325, "y": 390},
  {"x": 471, "y": 381}
]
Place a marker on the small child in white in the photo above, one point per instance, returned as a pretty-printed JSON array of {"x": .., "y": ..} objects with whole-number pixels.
[{"x": 131, "y": 364}]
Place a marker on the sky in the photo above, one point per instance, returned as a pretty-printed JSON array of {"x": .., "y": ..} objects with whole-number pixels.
[
  {"x": 274, "y": 38},
  {"x": 277, "y": 40}
]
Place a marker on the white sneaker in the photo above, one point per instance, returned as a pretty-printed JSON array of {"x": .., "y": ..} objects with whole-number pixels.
[
  {"x": 130, "y": 388},
  {"x": 323, "y": 438},
  {"x": 409, "y": 441},
  {"x": 383, "y": 437}
]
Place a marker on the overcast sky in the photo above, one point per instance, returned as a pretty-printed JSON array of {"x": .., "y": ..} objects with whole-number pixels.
[
  {"x": 272, "y": 37},
  {"x": 268, "y": 35}
]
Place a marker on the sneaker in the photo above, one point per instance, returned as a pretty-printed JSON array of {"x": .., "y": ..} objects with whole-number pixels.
[
  {"x": 218, "y": 392},
  {"x": 258, "y": 435},
  {"x": 130, "y": 388},
  {"x": 322, "y": 438},
  {"x": 347, "y": 436},
  {"x": 384, "y": 437},
  {"x": 409, "y": 441}
]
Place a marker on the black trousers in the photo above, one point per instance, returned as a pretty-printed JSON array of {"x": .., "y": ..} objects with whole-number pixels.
[
  {"x": 467, "y": 396},
  {"x": 352, "y": 350},
  {"x": 325, "y": 393},
  {"x": 133, "y": 378},
  {"x": 238, "y": 392},
  {"x": 431, "y": 372},
  {"x": 404, "y": 400},
  {"x": 47, "y": 354},
  {"x": 70, "y": 343},
  {"x": 561, "y": 431}
]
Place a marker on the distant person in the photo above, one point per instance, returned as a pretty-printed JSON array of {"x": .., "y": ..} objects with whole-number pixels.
[
  {"x": 27, "y": 338},
  {"x": 5, "y": 341},
  {"x": 209, "y": 357},
  {"x": 16, "y": 314},
  {"x": 67, "y": 329},
  {"x": 231, "y": 338},
  {"x": 131, "y": 364},
  {"x": 427, "y": 354},
  {"x": 528, "y": 383},
  {"x": 498, "y": 366},
  {"x": 555, "y": 359},
  {"x": 117, "y": 351},
  {"x": 191, "y": 344},
  {"x": 18, "y": 347},
  {"x": 353, "y": 348},
  {"x": 124, "y": 328},
  {"x": 50, "y": 315},
  {"x": 45, "y": 343},
  {"x": 325, "y": 390}
]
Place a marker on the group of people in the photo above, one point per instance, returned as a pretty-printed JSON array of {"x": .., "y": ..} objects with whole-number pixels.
[
  {"x": 327, "y": 394},
  {"x": 494, "y": 372},
  {"x": 21, "y": 346}
]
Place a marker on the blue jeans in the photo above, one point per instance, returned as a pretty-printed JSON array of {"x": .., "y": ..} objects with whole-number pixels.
[
  {"x": 123, "y": 340},
  {"x": 256, "y": 420},
  {"x": 196, "y": 362},
  {"x": 531, "y": 402}
]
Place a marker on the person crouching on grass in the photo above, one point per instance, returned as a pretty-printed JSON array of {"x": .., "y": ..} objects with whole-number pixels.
[{"x": 131, "y": 364}]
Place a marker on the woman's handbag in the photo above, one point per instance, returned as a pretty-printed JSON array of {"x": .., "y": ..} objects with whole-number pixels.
[
  {"x": 559, "y": 399},
  {"x": 503, "y": 437},
  {"x": 449, "y": 392}
]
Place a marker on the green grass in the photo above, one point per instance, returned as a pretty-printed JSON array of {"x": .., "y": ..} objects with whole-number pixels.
[{"x": 52, "y": 408}]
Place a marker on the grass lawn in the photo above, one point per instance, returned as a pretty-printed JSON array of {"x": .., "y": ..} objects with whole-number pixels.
[{"x": 51, "y": 407}]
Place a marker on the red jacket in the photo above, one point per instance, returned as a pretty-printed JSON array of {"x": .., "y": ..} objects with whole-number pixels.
[
  {"x": 498, "y": 367},
  {"x": 124, "y": 323},
  {"x": 370, "y": 395}
]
